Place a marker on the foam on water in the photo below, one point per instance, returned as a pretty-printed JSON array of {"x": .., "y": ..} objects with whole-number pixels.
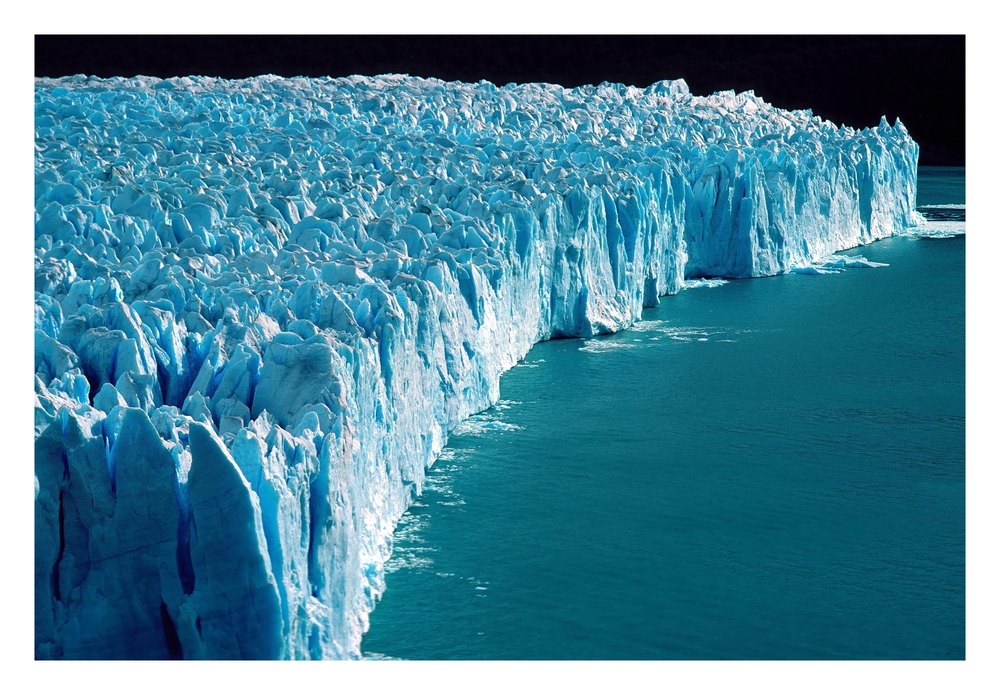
[{"x": 478, "y": 425}]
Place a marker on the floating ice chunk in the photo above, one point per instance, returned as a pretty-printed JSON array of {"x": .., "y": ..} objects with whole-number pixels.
[
  {"x": 704, "y": 282},
  {"x": 936, "y": 230},
  {"x": 602, "y": 346},
  {"x": 835, "y": 264}
]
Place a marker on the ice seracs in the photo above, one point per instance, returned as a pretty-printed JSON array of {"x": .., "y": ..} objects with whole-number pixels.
[{"x": 262, "y": 305}]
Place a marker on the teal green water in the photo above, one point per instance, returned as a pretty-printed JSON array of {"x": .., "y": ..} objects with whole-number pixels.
[{"x": 769, "y": 469}]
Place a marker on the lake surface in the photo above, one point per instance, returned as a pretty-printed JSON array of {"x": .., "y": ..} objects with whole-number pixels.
[{"x": 767, "y": 469}]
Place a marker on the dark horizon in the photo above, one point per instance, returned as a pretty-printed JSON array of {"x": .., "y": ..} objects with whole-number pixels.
[{"x": 853, "y": 80}]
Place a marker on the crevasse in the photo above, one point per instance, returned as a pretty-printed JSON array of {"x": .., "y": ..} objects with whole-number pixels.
[{"x": 261, "y": 306}]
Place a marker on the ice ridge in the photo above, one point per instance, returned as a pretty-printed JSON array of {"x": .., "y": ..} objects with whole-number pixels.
[{"x": 261, "y": 306}]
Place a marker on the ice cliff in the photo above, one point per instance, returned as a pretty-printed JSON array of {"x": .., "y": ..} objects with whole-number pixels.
[{"x": 262, "y": 305}]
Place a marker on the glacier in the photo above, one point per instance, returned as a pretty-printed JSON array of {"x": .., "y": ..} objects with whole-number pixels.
[{"x": 262, "y": 305}]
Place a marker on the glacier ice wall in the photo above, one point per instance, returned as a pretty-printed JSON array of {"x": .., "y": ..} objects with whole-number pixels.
[{"x": 262, "y": 305}]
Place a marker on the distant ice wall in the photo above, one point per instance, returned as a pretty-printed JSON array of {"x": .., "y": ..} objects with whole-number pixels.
[{"x": 261, "y": 305}]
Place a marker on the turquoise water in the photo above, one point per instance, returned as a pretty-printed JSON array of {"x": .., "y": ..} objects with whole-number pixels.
[{"x": 768, "y": 469}]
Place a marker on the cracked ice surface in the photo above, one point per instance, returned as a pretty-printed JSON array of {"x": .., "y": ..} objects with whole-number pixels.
[{"x": 262, "y": 305}]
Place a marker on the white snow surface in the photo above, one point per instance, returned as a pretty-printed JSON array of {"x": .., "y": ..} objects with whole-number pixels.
[{"x": 262, "y": 305}]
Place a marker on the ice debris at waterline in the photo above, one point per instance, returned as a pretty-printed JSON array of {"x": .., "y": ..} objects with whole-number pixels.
[
  {"x": 832, "y": 265},
  {"x": 261, "y": 305}
]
